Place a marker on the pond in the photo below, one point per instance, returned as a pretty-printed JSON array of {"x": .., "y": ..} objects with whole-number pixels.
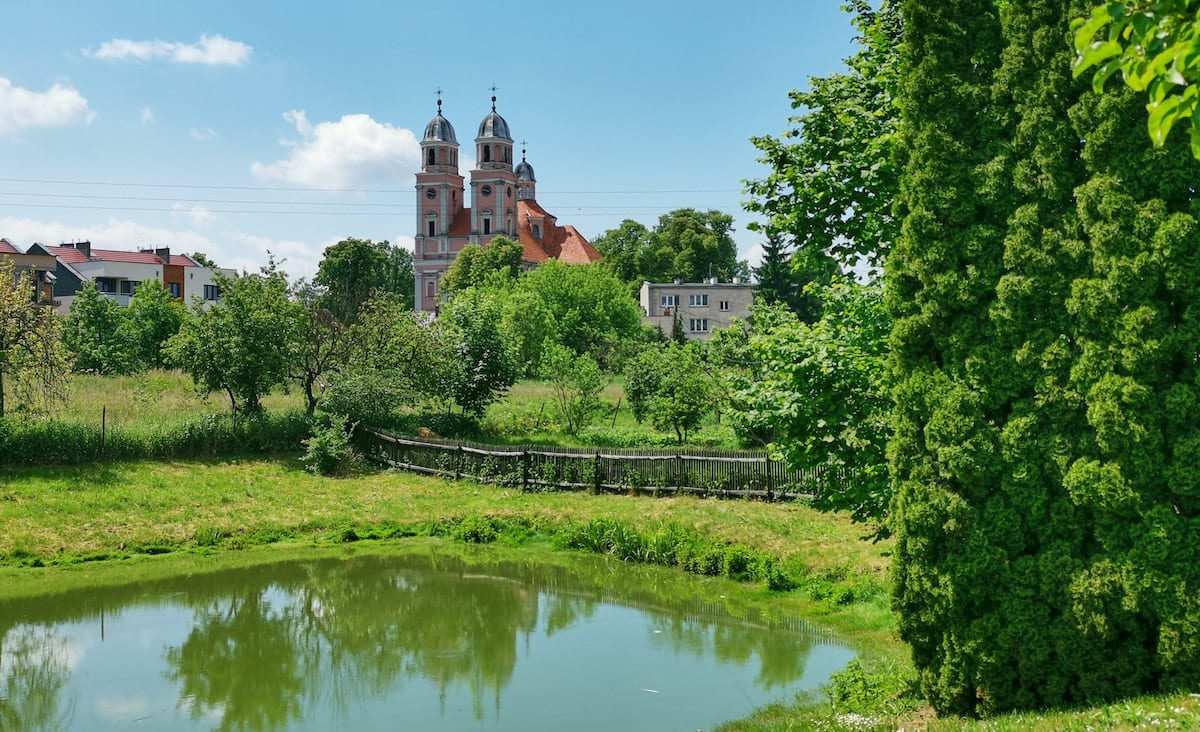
[{"x": 424, "y": 640}]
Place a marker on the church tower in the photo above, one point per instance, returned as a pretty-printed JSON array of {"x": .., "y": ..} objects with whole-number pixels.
[
  {"x": 493, "y": 182},
  {"x": 439, "y": 200}
]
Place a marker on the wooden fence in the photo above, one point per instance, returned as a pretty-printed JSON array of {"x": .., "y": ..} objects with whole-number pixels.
[{"x": 725, "y": 473}]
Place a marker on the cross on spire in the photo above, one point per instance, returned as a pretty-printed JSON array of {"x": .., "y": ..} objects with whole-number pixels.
[
  {"x": 493, "y": 97},
  {"x": 439, "y": 99}
]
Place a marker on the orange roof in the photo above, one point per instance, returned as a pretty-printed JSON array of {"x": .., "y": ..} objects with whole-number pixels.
[
  {"x": 563, "y": 243},
  {"x": 7, "y": 247}
]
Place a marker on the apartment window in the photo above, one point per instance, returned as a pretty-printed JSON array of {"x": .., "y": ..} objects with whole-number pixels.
[
  {"x": 174, "y": 288},
  {"x": 667, "y": 301},
  {"x": 698, "y": 325},
  {"x": 725, "y": 306},
  {"x": 128, "y": 286},
  {"x": 698, "y": 301},
  {"x": 212, "y": 292}
]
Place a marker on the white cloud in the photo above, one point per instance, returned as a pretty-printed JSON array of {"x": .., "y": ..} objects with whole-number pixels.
[
  {"x": 60, "y": 105},
  {"x": 351, "y": 152},
  {"x": 207, "y": 134},
  {"x": 147, "y": 116},
  {"x": 209, "y": 50}
]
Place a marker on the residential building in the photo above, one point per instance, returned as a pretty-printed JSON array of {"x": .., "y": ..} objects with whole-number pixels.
[
  {"x": 118, "y": 273},
  {"x": 39, "y": 266},
  {"x": 698, "y": 307},
  {"x": 504, "y": 201}
]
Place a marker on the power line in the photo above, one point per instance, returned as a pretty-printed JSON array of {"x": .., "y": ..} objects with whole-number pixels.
[
  {"x": 579, "y": 212},
  {"x": 49, "y": 181}
]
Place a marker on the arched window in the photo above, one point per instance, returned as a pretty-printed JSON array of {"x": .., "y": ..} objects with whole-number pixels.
[
  {"x": 487, "y": 153},
  {"x": 537, "y": 231},
  {"x": 430, "y": 156},
  {"x": 430, "y": 287}
]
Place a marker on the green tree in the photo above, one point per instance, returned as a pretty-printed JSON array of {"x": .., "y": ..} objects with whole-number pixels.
[
  {"x": 590, "y": 306},
  {"x": 821, "y": 390},
  {"x": 475, "y": 264},
  {"x": 483, "y": 365},
  {"x": 622, "y": 249},
  {"x": 1045, "y": 379},
  {"x": 153, "y": 317},
  {"x": 34, "y": 363},
  {"x": 576, "y": 381},
  {"x": 667, "y": 385},
  {"x": 322, "y": 350},
  {"x": 244, "y": 345},
  {"x": 353, "y": 269},
  {"x": 97, "y": 333},
  {"x": 690, "y": 245},
  {"x": 830, "y": 192},
  {"x": 1155, "y": 46},
  {"x": 784, "y": 278}
]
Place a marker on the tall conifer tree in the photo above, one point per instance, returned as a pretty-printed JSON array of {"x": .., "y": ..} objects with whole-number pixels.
[{"x": 1047, "y": 409}]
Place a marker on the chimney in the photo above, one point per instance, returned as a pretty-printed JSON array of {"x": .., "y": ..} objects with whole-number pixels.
[
  {"x": 163, "y": 253},
  {"x": 83, "y": 246}
]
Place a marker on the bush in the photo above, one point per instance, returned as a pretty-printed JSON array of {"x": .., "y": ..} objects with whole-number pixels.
[{"x": 328, "y": 451}]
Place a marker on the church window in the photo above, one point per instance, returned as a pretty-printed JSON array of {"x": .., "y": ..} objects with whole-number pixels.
[
  {"x": 507, "y": 154},
  {"x": 487, "y": 153},
  {"x": 432, "y": 227},
  {"x": 430, "y": 156},
  {"x": 537, "y": 231},
  {"x": 430, "y": 286},
  {"x": 487, "y": 224}
]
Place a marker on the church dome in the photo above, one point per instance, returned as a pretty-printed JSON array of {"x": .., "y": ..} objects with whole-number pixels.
[
  {"x": 439, "y": 129},
  {"x": 494, "y": 125},
  {"x": 524, "y": 171}
]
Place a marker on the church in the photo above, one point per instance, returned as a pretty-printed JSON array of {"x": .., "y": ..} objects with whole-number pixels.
[{"x": 503, "y": 203}]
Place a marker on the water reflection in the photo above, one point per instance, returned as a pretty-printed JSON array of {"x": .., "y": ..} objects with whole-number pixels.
[{"x": 379, "y": 642}]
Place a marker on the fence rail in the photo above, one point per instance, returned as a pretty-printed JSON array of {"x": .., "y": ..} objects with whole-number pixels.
[{"x": 724, "y": 473}]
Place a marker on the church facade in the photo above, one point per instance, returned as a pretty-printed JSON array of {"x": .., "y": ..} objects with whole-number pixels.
[{"x": 503, "y": 202}]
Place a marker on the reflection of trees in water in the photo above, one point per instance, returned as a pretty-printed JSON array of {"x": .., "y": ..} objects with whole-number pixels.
[
  {"x": 268, "y": 640},
  {"x": 352, "y": 629},
  {"x": 34, "y": 670}
]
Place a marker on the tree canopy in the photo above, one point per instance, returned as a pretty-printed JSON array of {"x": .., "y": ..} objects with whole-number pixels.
[
  {"x": 34, "y": 364},
  {"x": 1155, "y": 46},
  {"x": 354, "y": 269}
]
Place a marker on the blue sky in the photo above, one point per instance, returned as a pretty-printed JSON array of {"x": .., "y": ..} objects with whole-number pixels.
[{"x": 237, "y": 128}]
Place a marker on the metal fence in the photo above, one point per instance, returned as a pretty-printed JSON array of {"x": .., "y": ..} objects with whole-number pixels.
[{"x": 726, "y": 473}]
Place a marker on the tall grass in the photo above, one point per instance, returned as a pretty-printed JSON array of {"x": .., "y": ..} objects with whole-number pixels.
[{"x": 154, "y": 415}]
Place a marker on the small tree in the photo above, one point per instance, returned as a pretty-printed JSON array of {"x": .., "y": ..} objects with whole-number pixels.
[
  {"x": 576, "y": 381},
  {"x": 484, "y": 365},
  {"x": 98, "y": 333},
  {"x": 34, "y": 363},
  {"x": 153, "y": 317},
  {"x": 474, "y": 264},
  {"x": 243, "y": 345},
  {"x": 667, "y": 384}
]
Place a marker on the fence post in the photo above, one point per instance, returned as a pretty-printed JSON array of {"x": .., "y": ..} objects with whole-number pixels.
[
  {"x": 596, "y": 474},
  {"x": 103, "y": 425},
  {"x": 524, "y": 469},
  {"x": 458, "y": 463}
]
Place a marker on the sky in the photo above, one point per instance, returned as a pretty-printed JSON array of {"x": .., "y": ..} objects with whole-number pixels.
[{"x": 241, "y": 128}]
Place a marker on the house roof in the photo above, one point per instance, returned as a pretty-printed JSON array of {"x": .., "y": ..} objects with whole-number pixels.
[
  {"x": 7, "y": 247},
  {"x": 71, "y": 255}
]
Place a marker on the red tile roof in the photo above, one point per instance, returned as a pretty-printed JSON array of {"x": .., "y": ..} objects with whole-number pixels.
[
  {"x": 7, "y": 247},
  {"x": 71, "y": 255},
  {"x": 563, "y": 243}
]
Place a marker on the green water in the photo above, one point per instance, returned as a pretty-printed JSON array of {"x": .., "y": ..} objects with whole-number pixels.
[{"x": 426, "y": 641}]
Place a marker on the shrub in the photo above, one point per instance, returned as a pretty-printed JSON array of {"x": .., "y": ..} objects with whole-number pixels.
[{"x": 328, "y": 451}]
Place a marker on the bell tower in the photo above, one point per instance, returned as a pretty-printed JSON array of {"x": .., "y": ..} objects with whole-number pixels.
[
  {"x": 440, "y": 194},
  {"x": 493, "y": 182}
]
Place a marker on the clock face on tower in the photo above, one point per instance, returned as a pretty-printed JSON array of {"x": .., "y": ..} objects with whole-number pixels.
[
  {"x": 431, "y": 193},
  {"x": 486, "y": 190}
]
